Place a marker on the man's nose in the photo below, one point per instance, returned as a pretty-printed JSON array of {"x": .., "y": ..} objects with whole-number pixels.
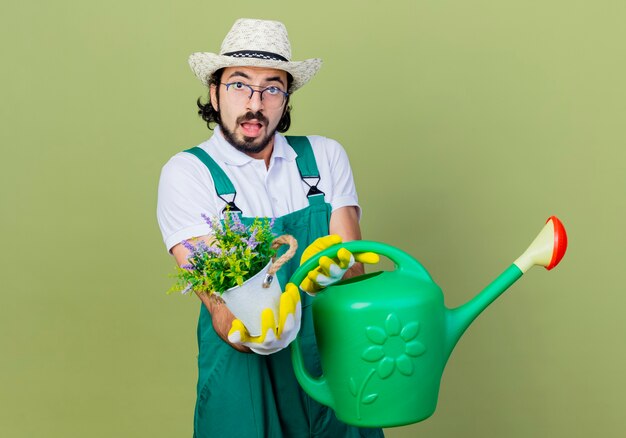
[{"x": 255, "y": 103}]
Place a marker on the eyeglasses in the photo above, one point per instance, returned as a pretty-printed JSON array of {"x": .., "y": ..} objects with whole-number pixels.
[{"x": 272, "y": 97}]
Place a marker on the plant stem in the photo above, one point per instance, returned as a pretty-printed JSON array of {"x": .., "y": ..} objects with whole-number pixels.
[{"x": 360, "y": 394}]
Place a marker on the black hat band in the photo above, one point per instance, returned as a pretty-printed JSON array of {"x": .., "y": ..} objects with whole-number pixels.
[{"x": 257, "y": 54}]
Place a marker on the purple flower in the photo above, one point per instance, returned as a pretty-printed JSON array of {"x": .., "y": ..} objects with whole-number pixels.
[
  {"x": 252, "y": 242},
  {"x": 186, "y": 290},
  {"x": 203, "y": 246},
  {"x": 272, "y": 223},
  {"x": 188, "y": 267},
  {"x": 214, "y": 250},
  {"x": 188, "y": 245},
  {"x": 207, "y": 220},
  {"x": 237, "y": 225}
]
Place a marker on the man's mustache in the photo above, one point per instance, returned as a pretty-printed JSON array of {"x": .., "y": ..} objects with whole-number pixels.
[{"x": 253, "y": 116}]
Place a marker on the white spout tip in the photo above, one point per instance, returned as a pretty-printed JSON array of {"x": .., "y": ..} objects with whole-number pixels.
[{"x": 547, "y": 249}]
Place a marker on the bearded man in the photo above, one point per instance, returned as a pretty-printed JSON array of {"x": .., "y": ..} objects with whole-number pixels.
[{"x": 246, "y": 385}]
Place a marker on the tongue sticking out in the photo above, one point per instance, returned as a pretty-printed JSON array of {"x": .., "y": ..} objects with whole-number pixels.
[{"x": 251, "y": 129}]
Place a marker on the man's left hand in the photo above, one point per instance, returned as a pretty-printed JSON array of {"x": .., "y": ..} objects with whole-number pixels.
[
  {"x": 274, "y": 337},
  {"x": 331, "y": 270}
]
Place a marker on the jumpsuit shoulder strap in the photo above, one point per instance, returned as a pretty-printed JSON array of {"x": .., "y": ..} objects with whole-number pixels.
[
  {"x": 223, "y": 185},
  {"x": 305, "y": 159},
  {"x": 306, "y": 162}
]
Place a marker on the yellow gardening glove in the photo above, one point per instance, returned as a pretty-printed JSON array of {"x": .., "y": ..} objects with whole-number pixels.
[
  {"x": 273, "y": 337},
  {"x": 330, "y": 270}
]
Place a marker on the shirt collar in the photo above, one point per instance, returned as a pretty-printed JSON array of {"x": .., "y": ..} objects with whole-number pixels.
[
  {"x": 282, "y": 149},
  {"x": 224, "y": 151}
]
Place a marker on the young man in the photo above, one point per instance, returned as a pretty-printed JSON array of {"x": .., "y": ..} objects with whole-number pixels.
[{"x": 305, "y": 183}]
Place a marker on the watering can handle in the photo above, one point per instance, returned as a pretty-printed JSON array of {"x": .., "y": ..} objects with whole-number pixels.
[
  {"x": 318, "y": 387},
  {"x": 403, "y": 261}
]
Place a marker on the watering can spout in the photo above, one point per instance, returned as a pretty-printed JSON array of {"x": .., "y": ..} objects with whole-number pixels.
[{"x": 546, "y": 250}]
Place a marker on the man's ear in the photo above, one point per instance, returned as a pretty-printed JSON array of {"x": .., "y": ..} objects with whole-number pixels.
[{"x": 213, "y": 92}]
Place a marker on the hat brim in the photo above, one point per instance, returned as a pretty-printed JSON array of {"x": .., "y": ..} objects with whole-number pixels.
[{"x": 205, "y": 64}]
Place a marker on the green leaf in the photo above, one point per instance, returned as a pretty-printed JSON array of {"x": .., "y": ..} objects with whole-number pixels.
[
  {"x": 410, "y": 331},
  {"x": 369, "y": 399},
  {"x": 373, "y": 353},
  {"x": 392, "y": 324},
  {"x": 376, "y": 334},
  {"x": 353, "y": 389}
]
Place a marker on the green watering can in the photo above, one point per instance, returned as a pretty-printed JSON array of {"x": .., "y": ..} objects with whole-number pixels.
[{"x": 385, "y": 337}]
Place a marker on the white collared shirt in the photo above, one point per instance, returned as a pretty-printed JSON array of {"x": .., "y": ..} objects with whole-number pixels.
[{"x": 186, "y": 188}]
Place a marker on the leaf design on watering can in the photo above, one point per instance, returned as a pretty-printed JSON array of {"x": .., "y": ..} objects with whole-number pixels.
[
  {"x": 394, "y": 346},
  {"x": 369, "y": 399},
  {"x": 373, "y": 353},
  {"x": 353, "y": 389},
  {"x": 389, "y": 357},
  {"x": 404, "y": 364},
  {"x": 410, "y": 331},
  {"x": 392, "y": 325},
  {"x": 415, "y": 348},
  {"x": 376, "y": 334},
  {"x": 386, "y": 367}
]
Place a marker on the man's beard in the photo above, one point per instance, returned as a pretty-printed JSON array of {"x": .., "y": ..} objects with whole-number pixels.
[{"x": 247, "y": 145}]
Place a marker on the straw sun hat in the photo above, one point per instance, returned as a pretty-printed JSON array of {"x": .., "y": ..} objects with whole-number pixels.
[{"x": 255, "y": 43}]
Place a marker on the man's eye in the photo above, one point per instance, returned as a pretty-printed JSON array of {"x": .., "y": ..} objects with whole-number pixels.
[
  {"x": 238, "y": 85},
  {"x": 272, "y": 90}
]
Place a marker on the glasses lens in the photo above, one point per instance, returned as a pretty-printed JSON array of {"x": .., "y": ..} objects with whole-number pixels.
[
  {"x": 238, "y": 91},
  {"x": 272, "y": 97}
]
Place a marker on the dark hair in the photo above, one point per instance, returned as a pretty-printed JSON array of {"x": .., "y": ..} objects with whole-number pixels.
[{"x": 209, "y": 115}]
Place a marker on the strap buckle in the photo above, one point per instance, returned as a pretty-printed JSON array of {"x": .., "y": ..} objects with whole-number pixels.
[
  {"x": 313, "y": 190},
  {"x": 230, "y": 206}
]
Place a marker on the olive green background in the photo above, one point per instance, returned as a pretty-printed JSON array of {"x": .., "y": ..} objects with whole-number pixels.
[{"x": 468, "y": 123}]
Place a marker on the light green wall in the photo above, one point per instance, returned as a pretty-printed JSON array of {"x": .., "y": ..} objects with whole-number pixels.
[{"x": 468, "y": 123}]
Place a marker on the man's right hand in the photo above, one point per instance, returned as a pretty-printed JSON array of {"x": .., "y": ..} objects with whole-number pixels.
[{"x": 221, "y": 318}]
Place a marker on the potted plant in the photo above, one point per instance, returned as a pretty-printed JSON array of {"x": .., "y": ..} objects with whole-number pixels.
[{"x": 237, "y": 267}]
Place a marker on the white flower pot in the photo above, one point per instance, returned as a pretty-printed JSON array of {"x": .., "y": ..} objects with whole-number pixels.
[{"x": 248, "y": 301}]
